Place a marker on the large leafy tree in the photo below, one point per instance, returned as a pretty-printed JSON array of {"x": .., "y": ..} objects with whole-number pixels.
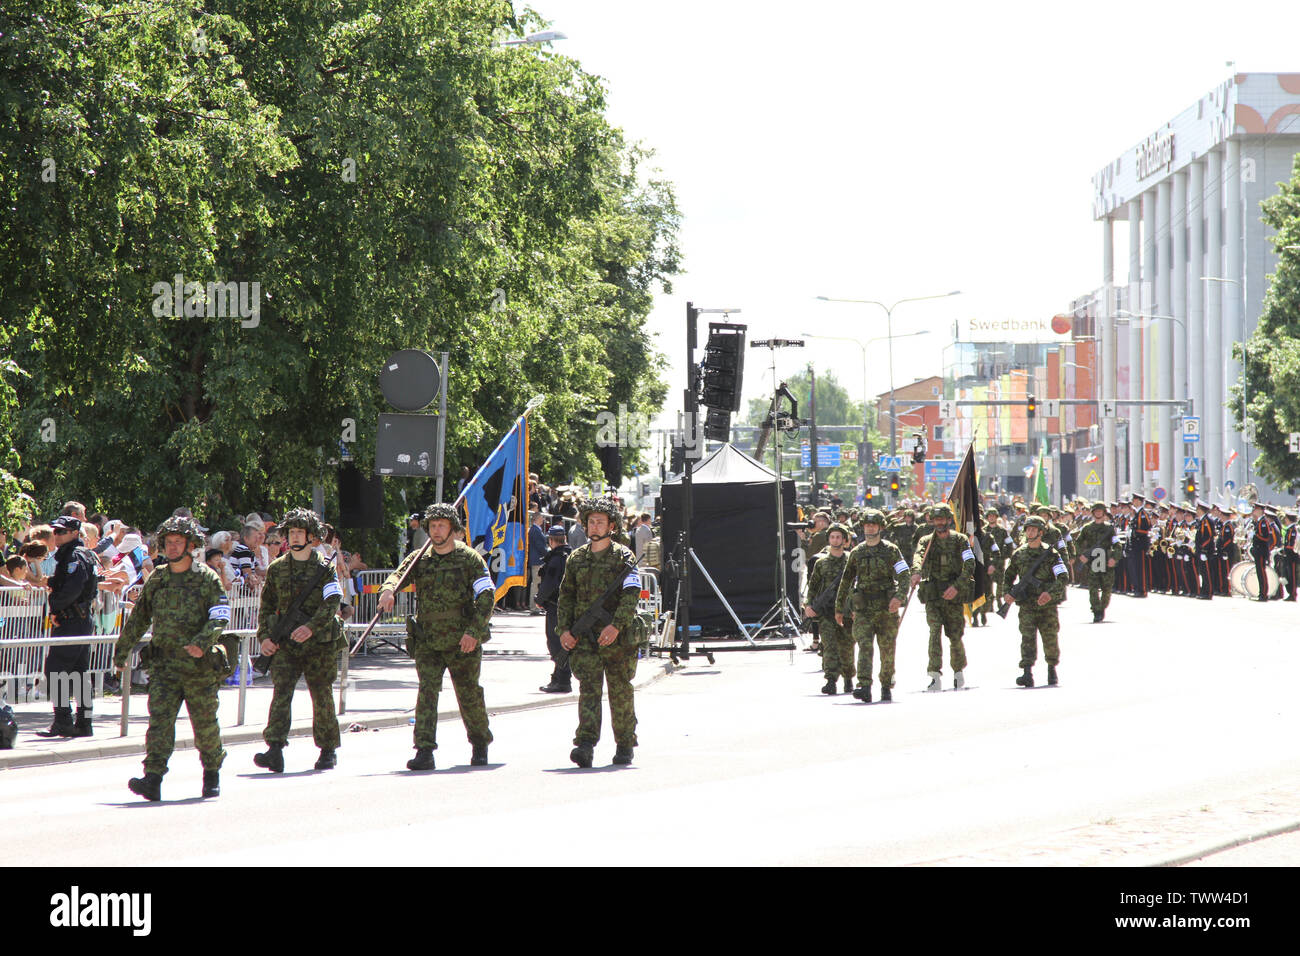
[
  {"x": 1272, "y": 358},
  {"x": 386, "y": 173}
]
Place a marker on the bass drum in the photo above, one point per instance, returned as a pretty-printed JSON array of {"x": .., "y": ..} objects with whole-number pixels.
[
  {"x": 1237, "y": 577},
  {"x": 1249, "y": 581}
]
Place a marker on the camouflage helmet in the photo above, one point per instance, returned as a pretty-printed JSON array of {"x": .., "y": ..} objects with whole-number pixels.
[
  {"x": 303, "y": 518},
  {"x": 443, "y": 511},
  {"x": 939, "y": 511},
  {"x": 604, "y": 505},
  {"x": 1036, "y": 521},
  {"x": 873, "y": 516},
  {"x": 185, "y": 526},
  {"x": 842, "y": 529},
  {"x": 1097, "y": 504}
]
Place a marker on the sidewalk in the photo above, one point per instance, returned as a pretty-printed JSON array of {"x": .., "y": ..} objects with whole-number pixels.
[{"x": 381, "y": 693}]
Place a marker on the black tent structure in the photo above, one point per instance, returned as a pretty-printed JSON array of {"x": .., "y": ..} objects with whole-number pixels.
[{"x": 734, "y": 535}]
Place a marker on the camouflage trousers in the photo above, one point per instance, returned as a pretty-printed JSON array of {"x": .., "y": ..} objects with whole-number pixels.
[
  {"x": 837, "y": 650},
  {"x": 1099, "y": 585},
  {"x": 616, "y": 664},
  {"x": 167, "y": 689},
  {"x": 320, "y": 666},
  {"x": 876, "y": 623},
  {"x": 1041, "y": 621},
  {"x": 464, "y": 668},
  {"x": 946, "y": 616}
]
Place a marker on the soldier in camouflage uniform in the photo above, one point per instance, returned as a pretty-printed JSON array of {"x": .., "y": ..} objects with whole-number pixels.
[
  {"x": 454, "y": 595},
  {"x": 607, "y": 655},
  {"x": 1038, "y": 611},
  {"x": 837, "y": 645},
  {"x": 998, "y": 553},
  {"x": 902, "y": 533},
  {"x": 1099, "y": 552},
  {"x": 818, "y": 538},
  {"x": 944, "y": 569},
  {"x": 188, "y": 610},
  {"x": 311, "y": 650},
  {"x": 873, "y": 588}
]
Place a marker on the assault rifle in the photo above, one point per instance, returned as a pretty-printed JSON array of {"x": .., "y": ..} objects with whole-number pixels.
[
  {"x": 823, "y": 604},
  {"x": 292, "y": 618},
  {"x": 598, "y": 616},
  {"x": 1027, "y": 586}
]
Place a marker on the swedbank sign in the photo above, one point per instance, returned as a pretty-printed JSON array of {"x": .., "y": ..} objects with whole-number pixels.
[
  {"x": 1156, "y": 155},
  {"x": 991, "y": 330}
]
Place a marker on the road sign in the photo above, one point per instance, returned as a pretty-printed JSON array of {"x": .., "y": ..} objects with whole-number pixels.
[
  {"x": 947, "y": 409},
  {"x": 1159, "y": 494},
  {"x": 943, "y": 470},
  {"x": 1191, "y": 465},
  {"x": 1051, "y": 407},
  {"x": 891, "y": 462},
  {"x": 1293, "y": 443},
  {"x": 1248, "y": 433},
  {"x": 1152, "y": 456},
  {"x": 1092, "y": 481},
  {"x": 1107, "y": 409},
  {"x": 1191, "y": 428},
  {"x": 828, "y": 456},
  {"x": 848, "y": 454},
  {"x": 1229, "y": 485}
]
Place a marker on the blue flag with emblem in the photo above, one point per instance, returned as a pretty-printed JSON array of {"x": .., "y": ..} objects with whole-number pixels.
[{"x": 493, "y": 508}]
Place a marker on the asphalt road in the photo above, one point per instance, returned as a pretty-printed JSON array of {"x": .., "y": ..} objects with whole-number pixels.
[{"x": 1166, "y": 719}]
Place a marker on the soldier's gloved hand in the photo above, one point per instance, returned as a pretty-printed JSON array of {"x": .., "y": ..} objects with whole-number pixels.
[
  {"x": 268, "y": 646},
  {"x": 894, "y": 605},
  {"x": 467, "y": 644},
  {"x": 1044, "y": 598},
  {"x": 193, "y": 650},
  {"x": 608, "y": 635},
  {"x": 950, "y": 594},
  {"x": 300, "y": 633},
  {"x": 386, "y": 601}
]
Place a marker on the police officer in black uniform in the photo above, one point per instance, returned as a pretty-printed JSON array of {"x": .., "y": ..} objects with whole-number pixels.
[
  {"x": 548, "y": 594},
  {"x": 67, "y": 667}
]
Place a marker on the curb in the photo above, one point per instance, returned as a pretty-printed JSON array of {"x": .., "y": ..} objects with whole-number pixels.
[
  {"x": 122, "y": 746},
  {"x": 1229, "y": 845}
]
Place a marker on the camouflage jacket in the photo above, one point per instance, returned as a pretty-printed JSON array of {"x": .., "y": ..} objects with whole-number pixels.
[
  {"x": 1051, "y": 575},
  {"x": 184, "y": 608},
  {"x": 950, "y": 561},
  {"x": 284, "y": 579},
  {"x": 824, "y": 573},
  {"x": 903, "y": 536},
  {"x": 872, "y": 575},
  {"x": 1065, "y": 540},
  {"x": 454, "y": 595},
  {"x": 588, "y": 575},
  {"x": 817, "y": 542},
  {"x": 1096, "y": 536}
]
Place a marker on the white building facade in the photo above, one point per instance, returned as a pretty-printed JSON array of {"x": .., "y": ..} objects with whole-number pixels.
[{"x": 1199, "y": 257}]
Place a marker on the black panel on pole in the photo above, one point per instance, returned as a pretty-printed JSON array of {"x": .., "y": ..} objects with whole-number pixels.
[
  {"x": 1069, "y": 476},
  {"x": 361, "y": 498}
]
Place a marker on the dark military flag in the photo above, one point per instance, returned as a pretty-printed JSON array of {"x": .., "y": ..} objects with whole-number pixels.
[{"x": 964, "y": 499}]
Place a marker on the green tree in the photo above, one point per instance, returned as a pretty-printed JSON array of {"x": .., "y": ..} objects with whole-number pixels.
[
  {"x": 1272, "y": 359},
  {"x": 386, "y": 173}
]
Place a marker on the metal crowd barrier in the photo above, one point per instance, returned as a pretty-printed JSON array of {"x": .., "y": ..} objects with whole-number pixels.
[
  {"x": 391, "y": 628},
  {"x": 650, "y": 601}
]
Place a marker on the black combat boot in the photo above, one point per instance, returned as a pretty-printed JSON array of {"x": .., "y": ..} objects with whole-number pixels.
[
  {"x": 863, "y": 693},
  {"x": 1027, "y": 678},
  {"x": 831, "y": 687},
  {"x": 63, "y": 725},
  {"x": 423, "y": 759},
  {"x": 581, "y": 755},
  {"x": 623, "y": 755},
  {"x": 211, "y": 783},
  {"x": 1051, "y": 675},
  {"x": 556, "y": 687},
  {"x": 149, "y": 786},
  {"x": 272, "y": 760},
  {"x": 83, "y": 727},
  {"x": 885, "y": 695},
  {"x": 327, "y": 760},
  {"x": 1097, "y": 616},
  {"x": 848, "y": 685},
  {"x": 479, "y": 757}
]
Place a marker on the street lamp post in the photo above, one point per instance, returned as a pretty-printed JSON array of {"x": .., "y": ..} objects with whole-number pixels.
[
  {"x": 1245, "y": 355},
  {"x": 889, "y": 323}
]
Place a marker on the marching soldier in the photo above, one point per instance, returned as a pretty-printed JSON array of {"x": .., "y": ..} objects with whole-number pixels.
[
  {"x": 188, "y": 610},
  {"x": 1261, "y": 547},
  {"x": 997, "y": 547},
  {"x": 454, "y": 595},
  {"x": 837, "y": 643},
  {"x": 603, "y": 572},
  {"x": 873, "y": 588},
  {"x": 944, "y": 569},
  {"x": 1226, "y": 545},
  {"x": 1046, "y": 577},
  {"x": 1139, "y": 542},
  {"x": 1289, "y": 556},
  {"x": 311, "y": 650},
  {"x": 902, "y": 533},
  {"x": 1098, "y": 554},
  {"x": 1206, "y": 557},
  {"x": 1120, "y": 510},
  {"x": 817, "y": 539}
]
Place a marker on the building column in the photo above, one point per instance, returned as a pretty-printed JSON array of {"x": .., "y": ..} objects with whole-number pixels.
[
  {"x": 1213, "y": 411},
  {"x": 1149, "y": 368},
  {"x": 1106, "y": 315},
  {"x": 1135, "y": 354},
  {"x": 1162, "y": 333},
  {"x": 1233, "y": 331},
  {"x": 1196, "y": 309}
]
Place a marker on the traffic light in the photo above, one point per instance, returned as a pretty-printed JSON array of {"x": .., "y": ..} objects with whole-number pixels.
[
  {"x": 867, "y": 495},
  {"x": 1031, "y": 406},
  {"x": 1189, "y": 486},
  {"x": 893, "y": 484}
]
